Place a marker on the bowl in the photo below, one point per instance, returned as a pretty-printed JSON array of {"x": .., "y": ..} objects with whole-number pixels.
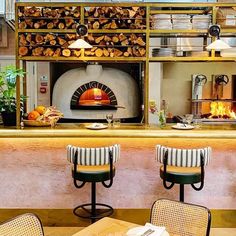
[{"x": 36, "y": 123}]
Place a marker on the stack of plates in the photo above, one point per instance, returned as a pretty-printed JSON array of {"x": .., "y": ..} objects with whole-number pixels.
[
  {"x": 163, "y": 52},
  {"x": 201, "y": 21},
  {"x": 231, "y": 52},
  {"x": 181, "y": 21},
  {"x": 161, "y": 21}
]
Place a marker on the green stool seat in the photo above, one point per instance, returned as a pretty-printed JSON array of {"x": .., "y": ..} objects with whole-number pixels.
[
  {"x": 93, "y": 173},
  {"x": 181, "y": 175},
  {"x": 182, "y": 166}
]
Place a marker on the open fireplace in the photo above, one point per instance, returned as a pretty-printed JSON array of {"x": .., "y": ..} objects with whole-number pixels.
[{"x": 91, "y": 92}]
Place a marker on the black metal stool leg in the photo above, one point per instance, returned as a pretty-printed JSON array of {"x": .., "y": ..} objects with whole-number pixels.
[
  {"x": 181, "y": 192},
  {"x": 93, "y": 201}
]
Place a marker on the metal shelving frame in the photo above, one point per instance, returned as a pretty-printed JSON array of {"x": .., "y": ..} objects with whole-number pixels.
[{"x": 150, "y": 10}]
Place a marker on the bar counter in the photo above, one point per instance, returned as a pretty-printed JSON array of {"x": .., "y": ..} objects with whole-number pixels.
[
  {"x": 35, "y": 173},
  {"x": 123, "y": 131}
]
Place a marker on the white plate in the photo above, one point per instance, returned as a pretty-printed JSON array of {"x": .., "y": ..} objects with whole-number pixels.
[
  {"x": 182, "y": 127},
  {"x": 96, "y": 126},
  {"x": 136, "y": 231},
  {"x": 141, "y": 229}
]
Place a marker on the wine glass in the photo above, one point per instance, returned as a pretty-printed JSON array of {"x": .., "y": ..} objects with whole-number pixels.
[
  {"x": 189, "y": 118},
  {"x": 109, "y": 118}
]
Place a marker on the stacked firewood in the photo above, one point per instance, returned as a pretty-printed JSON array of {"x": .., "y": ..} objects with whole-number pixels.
[
  {"x": 110, "y": 45},
  {"x": 116, "y": 17},
  {"x": 49, "y": 18},
  {"x": 40, "y": 44},
  {"x": 116, "y": 45}
]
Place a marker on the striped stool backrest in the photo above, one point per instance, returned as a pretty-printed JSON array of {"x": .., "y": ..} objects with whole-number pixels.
[
  {"x": 183, "y": 157},
  {"x": 93, "y": 156}
]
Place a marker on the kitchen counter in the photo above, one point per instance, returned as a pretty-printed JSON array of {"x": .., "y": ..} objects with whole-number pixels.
[{"x": 124, "y": 130}]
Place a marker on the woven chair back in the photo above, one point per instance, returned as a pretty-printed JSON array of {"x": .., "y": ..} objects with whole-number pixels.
[
  {"x": 23, "y": 225},
  {"x": 180, "y": 218}
]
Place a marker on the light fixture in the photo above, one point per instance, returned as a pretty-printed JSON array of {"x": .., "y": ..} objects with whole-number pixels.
[
  {"x": 80, "y": 43},
  {"x": 218, "y": 44}
]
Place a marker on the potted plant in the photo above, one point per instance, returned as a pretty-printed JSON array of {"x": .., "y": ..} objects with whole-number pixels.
[{"x": 8, "y": 77}]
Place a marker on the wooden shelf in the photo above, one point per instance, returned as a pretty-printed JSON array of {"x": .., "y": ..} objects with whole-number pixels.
[
  {"x": 108, "y": 59},
  {"x": 178, "y": 31},
  {"x": 63, "y": 31},
  {"x": 110, "y": 31},
  {"x": 189, "y": 59}
]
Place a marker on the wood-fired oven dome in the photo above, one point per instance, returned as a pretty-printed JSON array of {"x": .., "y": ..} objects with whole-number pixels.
[{"x": 116, "y": 85}]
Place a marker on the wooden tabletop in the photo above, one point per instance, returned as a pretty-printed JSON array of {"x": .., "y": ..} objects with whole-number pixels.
[{"x": 108, "y": 227}]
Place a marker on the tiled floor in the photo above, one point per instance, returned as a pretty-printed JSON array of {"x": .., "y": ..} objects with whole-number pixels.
[{"x": 69, "y": 231}]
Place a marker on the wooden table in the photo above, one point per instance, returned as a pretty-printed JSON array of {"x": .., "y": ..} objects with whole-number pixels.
[{"x": 108, "y": 227}]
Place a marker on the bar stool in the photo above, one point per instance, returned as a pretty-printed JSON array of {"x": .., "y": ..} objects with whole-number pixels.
[
  {"x": 93, "y": 165},
  {"x": 182, "y": 166}
]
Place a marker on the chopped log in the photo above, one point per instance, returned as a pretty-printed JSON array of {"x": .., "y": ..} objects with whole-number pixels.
[
  {"x": 129, "y": 50},
  {"x": 61, "y": 25},
  {"x": 105, "y": 52},
  {"x": 69, "y": 22},
  {"x": 37, "y": 51},
  {"x": 126, "y": 54},
  {"x": 77, "y": 53},
  {"x": 55, "y": 23},
  {"x": 96, "y": 13},
  {"x": 88, "y": 53},
  {"x": 91, "y": 38},
  {"x": 29, "y": 22},
  {"x": 113, "y": 25},
  {"x": 102, "y": 43},
  {"x": 91, "y": 10},
  {"x": 107, "y": 26},
  {"x": 125, "y": 42},
  {"x": 29, "y": 37},
  {"x": 76, "y": 12},
  {"x": 66, "y": 52},
  {"x": 131, "y": 13},
  {"x": 142, "y": 51},
  {"x": 107, "y": 38},
  {"x": 99, "y": 52},
  {"x": 99, "y": 39},
  {"x": 53, "y": 42},
  {"x": 140, "y": 41},
  {"x": 23, "y": 51},
  {"x": 122, "y": 37},
  {"x": 37, "y": 25},
  {"x": 135, "y": 9},
  {"x": 49, "y": 37},
  {"x": 102, "y": 20},
  {"x": 71, "y": 36},
  {"x": 61, "y": 41},
  {"x": 22, "y": 25},
  {"x": 50, "y": 25},
  {"x": 65, "y": 45},
  {"x": 133, "y": 38},
  {"x": 39, "y": 38},
  {"x": 115, "y": 39},
  {"x": 117, "y": 52},
  {"x": 135, "y": 52},
  {"x": 93, "y": 49},
  {"x": 96, "y": 25},
  {"x": 48, "y": 52},
  {"x": 141, "y": 12},
  {"x": 22, "y": 40}
]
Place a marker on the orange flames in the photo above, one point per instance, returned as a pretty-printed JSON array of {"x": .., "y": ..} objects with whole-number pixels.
[{"x": 220, "y": 110}]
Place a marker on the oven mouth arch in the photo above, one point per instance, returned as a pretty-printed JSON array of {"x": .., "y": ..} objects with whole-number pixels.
[{"x": 75, "y": 99}]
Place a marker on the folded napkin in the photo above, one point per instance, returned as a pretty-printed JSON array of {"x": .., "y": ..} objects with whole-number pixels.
[{"x": 139, "y": 231}]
